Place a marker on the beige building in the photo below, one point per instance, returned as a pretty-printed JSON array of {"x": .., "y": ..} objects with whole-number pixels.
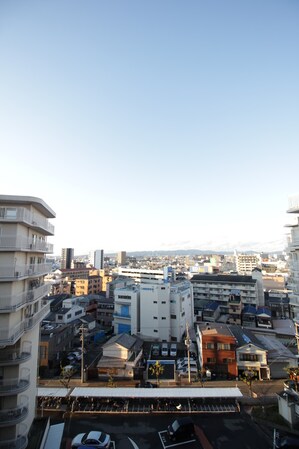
[
  {"x": 24, "y": 228},
  {"x": 91, "y": 285}
]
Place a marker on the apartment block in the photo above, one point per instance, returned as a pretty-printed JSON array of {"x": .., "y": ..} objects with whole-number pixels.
[
  {"x": 91, "y": 285},
  {"x": 293, "y": 252},
  {"x": 157, "y": 311},
  {"x": 24, "y": 228},
  {"x": 246, "y": 263},
  {"x": 221, "y": 288},
  {"x": 67, "y": 256}
]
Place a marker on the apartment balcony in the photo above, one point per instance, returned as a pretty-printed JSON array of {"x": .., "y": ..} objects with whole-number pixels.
[
  {"x": 22, "y": 215},
  {"x": 10, "y": 386},
  {"x": 20, "y": 442},
  {"x": 12, "y": 303},
  {"x": 13, "y": 416},
  {"x": 10, "y": 335},
  {"x": 15, "y": 356},
  {"x": 35, "y": 319},
  {"x": 18, "y": 272},
  {"x": 18, "y": 243}
]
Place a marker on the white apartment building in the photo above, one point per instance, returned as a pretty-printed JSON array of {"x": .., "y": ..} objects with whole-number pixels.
[
  {"x": 246, "y": 263},
  {"x": 157, "y": 310},
  {"x": 127, "y": 310},
  {"x": 293, "y": 252},
  {"x": 24, "y": 228},
  {"x": 219, "y": 288},
  {"x": 145, "y": 275}
]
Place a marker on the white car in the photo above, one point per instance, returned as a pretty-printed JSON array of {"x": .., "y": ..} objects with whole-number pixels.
[{"x": 93, "y": 439}]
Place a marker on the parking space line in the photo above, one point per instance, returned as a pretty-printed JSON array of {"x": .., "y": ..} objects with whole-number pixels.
[{"x": 166, "y": 446}]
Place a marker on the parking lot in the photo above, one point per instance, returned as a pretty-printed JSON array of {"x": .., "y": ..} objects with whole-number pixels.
[{"x": 149, "y": 431}]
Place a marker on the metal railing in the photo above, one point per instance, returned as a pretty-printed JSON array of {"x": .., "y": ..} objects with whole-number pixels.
[
  {"x": 23, "y": 215},
  {"x": 19, "y": 243},
  {"x": 14, "y": 302},
  {"x": 14, "y": 272}
]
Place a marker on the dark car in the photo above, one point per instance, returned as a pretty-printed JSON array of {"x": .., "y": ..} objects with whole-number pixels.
[
  {"x": 181, "y": 429},
  {"x": 145, "y": 385}
]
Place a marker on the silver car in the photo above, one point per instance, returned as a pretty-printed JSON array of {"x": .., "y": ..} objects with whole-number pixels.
[{"x": 93, "y": 439}]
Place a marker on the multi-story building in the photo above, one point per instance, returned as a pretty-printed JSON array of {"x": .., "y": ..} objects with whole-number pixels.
[
  {"x": 219, "y": 288},
  {"x": 293, "y": 252},
  {"x": 99, "y": 259},
  {"x": 122, "y": 258},
  {"x": 105, "y": 308},
  {"x": 246, "y": 263},
  {"x": 158, "y": 311},
  {"x": 90, "y": 286},
  {"x": 106, "y": 278},
  {"x": 145, "y": 275},
  {"x": 126, "y": 316},
  {"x": 67, "y": 256},
  {"x": 216, "y": 350},
  {"x": 24, "y": 227}
]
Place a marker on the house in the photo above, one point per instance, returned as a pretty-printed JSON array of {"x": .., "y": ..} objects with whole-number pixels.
[
  {"x": 250, "y": 353},
  {"x": 211, "y": 311},
  {"x": 263, "y": 317},
  {"x": 217, "y": 350},
  {"x": 122, "y": 354}
]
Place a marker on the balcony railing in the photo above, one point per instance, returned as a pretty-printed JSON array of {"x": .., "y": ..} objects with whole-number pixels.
[
  {"x": 15, "y": 356},
  {"x": 20, "y": 442},
  {"x": 14, "y": 386},
  {"x": 24, "y": 216},
  {"x": 121, "y": 315},
  {"x": 18, "y": 243},
  {"x": 12, "y": 302},
  {"x": 31, "y": 321},
  {"x": 9, "y": 336},
  {"x": 13, "y": 416},
  {"x": 10, "y": 273}
]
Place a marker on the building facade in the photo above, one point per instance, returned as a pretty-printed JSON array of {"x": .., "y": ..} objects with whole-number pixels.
[
  {"x": 24, "y": 228},
  {"x": 158, "y": 311},
  {"x": 67, "y": 256},
  {"x": 220, "y": 288},
  {"x": 246, "y": 263},
  {"x": 293, "y": 253}
]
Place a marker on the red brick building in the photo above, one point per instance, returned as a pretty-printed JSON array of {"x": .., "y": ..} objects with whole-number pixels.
[{"x": 217, "y": 350}]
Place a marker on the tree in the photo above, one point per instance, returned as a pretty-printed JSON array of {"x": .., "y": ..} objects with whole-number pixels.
[
  {"x": 156, "y": 370},
  {"x": 248, "y": 377},
  {"x": 66, "y": 375}
]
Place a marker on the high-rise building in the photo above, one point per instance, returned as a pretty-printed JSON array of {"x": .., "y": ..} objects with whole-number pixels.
[
  {"x": 121, "y": 258},
  {"x": 293, "y": 252},
  {"x": 98, "y": 260},
  {"x": 24, "y": 227},
  {"x": 67, "y": 256}
]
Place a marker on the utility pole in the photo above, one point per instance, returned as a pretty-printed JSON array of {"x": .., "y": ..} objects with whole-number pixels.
[
  {"x": 188, "y": 343},
  {"x": 82, "y": 330}
]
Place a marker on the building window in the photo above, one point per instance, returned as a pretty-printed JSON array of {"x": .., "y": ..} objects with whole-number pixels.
[
  {"x": 163, "y": 317},
  {"x": 163, "y": 302},
  {"x": 155, "y": 302},
  {"x": 173, "y": 317},
  {"x": 223, "y": 346},
  {"x": 211, "y": 360},
  {"x": 155, "y": 317},
  {"x": 210, "y": 346},
  {"x": 155, "y": 330}
]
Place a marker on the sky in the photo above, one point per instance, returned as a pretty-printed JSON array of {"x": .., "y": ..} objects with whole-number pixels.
[{"x": 153, "y": 125}]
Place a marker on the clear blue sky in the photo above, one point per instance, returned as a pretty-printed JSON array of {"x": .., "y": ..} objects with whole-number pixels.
[{"x": 151, "y": 125}]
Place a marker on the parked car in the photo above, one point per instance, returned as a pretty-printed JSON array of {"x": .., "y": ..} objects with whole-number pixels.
[
  {"x": 145, "y": 385},
  {"x": 155, "y": 349},
  {"x": 164, "y": 350},
  {"x": 173, "y": 350},
  {"x": 181, "y": 429},
  {"x": 185, "y": 365},
  {"x": 193, "y": 370},
  {"x": 93, "y": 439}
]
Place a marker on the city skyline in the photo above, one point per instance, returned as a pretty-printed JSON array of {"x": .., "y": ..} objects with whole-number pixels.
[{"x": 153, "y": 126}]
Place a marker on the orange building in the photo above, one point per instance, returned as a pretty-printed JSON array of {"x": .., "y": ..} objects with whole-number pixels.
[{"x": 217, "y": 350}]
